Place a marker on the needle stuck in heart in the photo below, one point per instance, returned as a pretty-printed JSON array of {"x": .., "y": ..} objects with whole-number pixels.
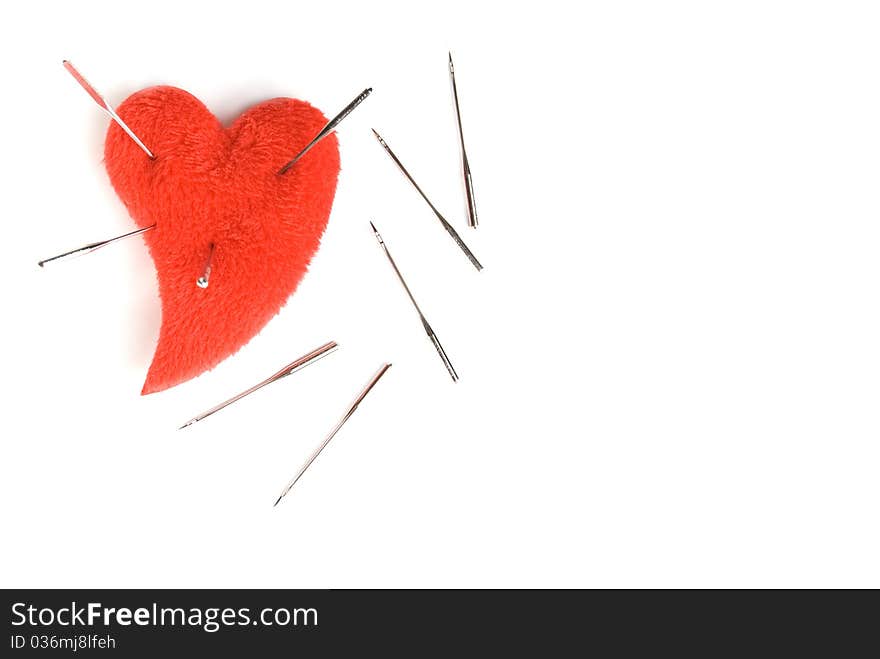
[{"x": 104, "y": 105}]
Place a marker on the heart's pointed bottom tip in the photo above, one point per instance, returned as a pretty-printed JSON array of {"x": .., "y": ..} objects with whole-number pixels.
[{"x": 151, "y": 387}]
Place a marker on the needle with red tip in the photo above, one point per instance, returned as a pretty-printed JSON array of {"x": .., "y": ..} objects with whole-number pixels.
[{"x": 104, "y": 105}]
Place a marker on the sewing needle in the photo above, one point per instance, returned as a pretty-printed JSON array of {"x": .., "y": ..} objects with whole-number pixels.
[
  {"x": 91, "y": 247},
  {"x": 452, "y": 232},
  {"x": 205, "y": 279},
  {"x": 326, "y": 130},
  {"x": 466, "y": 168},
  {"x": 104, "y": 105},
  {"x": 291, "y": 368},
  {"x": 428, "y": 330},
  {"x": 345, "y": 417}
]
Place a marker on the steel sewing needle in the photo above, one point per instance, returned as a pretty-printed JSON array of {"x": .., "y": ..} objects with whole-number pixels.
[
  {"x": 345, "y": 417},
  {"x": 104, "y": 105},
  {"x": 205, "y": 279},
  {"x": 466, "y": 168},
  {"x": 291, "y": 368},
  {"x": 452, "y": 232},
  {"x": 428, "y": 330},
  {"x": 91, "y": 247},
  {"x": 326, "y": 130}
]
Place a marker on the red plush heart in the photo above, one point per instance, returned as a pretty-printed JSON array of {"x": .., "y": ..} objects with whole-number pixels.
[{"x": 214, "y": 185}]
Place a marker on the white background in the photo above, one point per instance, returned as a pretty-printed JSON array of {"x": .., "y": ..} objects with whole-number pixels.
[{"x": 669, "y": 366}]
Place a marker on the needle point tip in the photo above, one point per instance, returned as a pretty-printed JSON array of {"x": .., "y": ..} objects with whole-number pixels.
[{"x": 277, "y": 501}]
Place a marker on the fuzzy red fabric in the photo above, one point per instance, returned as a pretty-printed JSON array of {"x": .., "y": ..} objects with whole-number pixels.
[{"x": 210, "y": 184}]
